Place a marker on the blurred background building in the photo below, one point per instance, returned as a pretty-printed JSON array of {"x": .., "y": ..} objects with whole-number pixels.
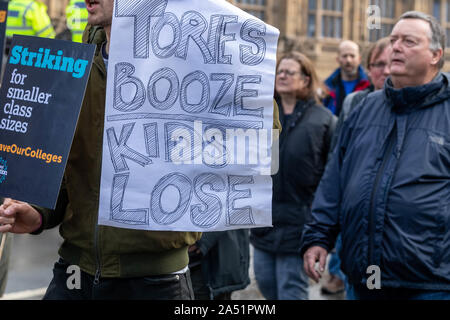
[{"x": 316, "y": 27}]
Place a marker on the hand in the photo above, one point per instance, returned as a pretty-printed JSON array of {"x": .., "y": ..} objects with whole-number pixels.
[
  {"x": 311, "y": 256},
  {"x": 194, "y": 248},
  {"x": 18, "y": 217}
]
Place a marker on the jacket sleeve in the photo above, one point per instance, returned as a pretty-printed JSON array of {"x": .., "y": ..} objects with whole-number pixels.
[
  {"x": 41, "y": 22},
  {"x": 52, "y": 218},
  {"x": 330, "y": 134},
  {"x": 324, "y": 227},
  {"x": 346, "y": 107},
  {"x": 276, "y": 116},
  {"x": 334, "y": 139}
]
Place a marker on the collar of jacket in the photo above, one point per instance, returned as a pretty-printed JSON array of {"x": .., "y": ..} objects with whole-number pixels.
[
  {"x": 409, "y": 99},
  {"x": 96, "y": 35},
  {"x": 300, "y": 105},
  {"x": 335, "y": 78},
  {"x": 299, "y": 110}
]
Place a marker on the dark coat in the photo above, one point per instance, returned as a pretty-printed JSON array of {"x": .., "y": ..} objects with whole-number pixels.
[
  {"x": 387, "y": 189},
  {"x": 350, "y": 103},
  {"x": 304, "y": 144},
  {"x": 225, "y": 260}
]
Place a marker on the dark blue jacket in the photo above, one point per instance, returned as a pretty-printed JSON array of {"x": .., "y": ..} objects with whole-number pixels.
[
  {"x": 336, "y": 96},
  {"x": 304, "y": 144},
  {"x": 387, "y": 189},
  {"x": 225, "y": 262}
]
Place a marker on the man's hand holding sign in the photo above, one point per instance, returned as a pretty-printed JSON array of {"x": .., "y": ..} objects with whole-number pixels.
[{"x": 18, "y": 217}]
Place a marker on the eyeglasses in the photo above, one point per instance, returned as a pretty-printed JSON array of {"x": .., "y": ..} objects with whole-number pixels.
[
  {"x": 287, "y": 72},
  {"x": 378, "y": 65}
]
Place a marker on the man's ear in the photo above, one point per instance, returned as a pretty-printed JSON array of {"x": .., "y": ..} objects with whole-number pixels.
[{"x": 437, "y": 55}]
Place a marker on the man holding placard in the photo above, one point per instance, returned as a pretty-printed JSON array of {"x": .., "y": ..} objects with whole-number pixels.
[{"x": 153, "y": 262}]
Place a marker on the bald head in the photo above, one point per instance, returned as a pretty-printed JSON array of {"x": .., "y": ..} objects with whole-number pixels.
[
  {"x": 349, "y": 58},
  {"x": 348, "y": 45}
]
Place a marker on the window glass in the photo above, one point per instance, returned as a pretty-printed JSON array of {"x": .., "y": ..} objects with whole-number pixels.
[
  {"x": 338, "y": 28},
  {"x": 448, "y": 11},
  {"x": 448, "y": 37},
  {"x": 437, "y": 9},
  {"x": 311, "y": 25}
]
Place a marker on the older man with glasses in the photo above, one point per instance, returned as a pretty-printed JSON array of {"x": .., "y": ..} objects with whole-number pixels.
[{"x": 386, "y": 186}]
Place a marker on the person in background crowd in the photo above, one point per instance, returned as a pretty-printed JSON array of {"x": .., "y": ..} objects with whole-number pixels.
[
  {"x": 219, "y": 264},
  {"x": 304, "y": 143},
  {"x": 29, "y": 18},
  {"x": 386, "y": 185},
  {"x": 348, "y": 78},
  {"x": 76, "y": 16},
  {"x": 378, "y": 70},
  {"x": 377, "y": 65}
]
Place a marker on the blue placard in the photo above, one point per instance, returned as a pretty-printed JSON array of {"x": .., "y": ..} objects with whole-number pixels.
[{"x": 40, "y": 101}]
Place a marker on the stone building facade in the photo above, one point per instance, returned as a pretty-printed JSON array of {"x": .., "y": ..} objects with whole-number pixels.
[{"x": 316, "y": 27}]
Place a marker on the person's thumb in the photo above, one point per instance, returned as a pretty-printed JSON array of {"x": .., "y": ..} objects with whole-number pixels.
[{"x": 322, "y": 260}]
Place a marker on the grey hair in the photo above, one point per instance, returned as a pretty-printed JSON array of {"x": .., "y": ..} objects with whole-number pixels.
[{"x": 437, "y": 39}]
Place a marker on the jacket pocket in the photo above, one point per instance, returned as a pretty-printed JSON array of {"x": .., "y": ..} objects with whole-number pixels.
[
  {"x": 164, "y": 279},
  {"x": 441, "y": 246},
  {"x": 414, "y": 234},
  {"x": 166, "y": 286}
]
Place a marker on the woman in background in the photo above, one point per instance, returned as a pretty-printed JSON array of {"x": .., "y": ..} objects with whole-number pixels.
[{"x": 304, "y": 143}]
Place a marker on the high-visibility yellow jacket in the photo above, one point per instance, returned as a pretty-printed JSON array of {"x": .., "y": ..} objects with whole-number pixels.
[
  {"x": 30, "y": 18},
  {"x": 77, "y": 17}
]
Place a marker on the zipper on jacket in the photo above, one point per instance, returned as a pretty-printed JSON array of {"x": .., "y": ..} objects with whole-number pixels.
[
  {"x": 98, "y": 265},
  {"x": 102, "y": 68},
  {"x": 372, "y": 197}
]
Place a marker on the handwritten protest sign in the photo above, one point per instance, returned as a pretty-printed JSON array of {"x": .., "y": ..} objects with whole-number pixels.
[
  {"x": 40, "y": 99},
  {"x": 189, "y": 115}
]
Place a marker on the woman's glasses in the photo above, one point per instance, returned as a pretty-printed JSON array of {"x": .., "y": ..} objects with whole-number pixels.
[{"x": 287, "y": 72}]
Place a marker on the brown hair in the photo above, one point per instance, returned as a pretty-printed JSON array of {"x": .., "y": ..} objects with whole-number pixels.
[
  {"x": 307, "y": 69},
  {"x": 376, "y": 49}
]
